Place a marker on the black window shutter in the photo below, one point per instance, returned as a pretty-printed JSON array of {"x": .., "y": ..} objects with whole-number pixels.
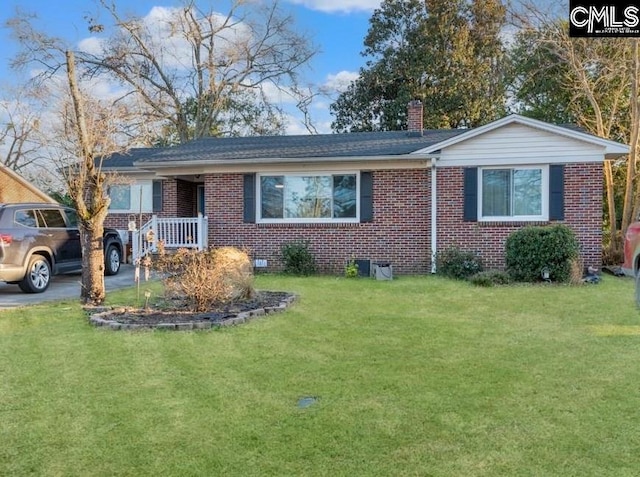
[
  {"x": 470, "y": 194},
  {"x": 556, "y": 192},
  {"x": 249, "y": 198},
  {"x": 157, "y": 196},
  {"x": 366, "y": 197}
]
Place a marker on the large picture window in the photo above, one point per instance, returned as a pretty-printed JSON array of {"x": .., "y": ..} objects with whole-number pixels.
[
  {"x": 514, "y": 193},
  {"x": 308, "y": 197}
]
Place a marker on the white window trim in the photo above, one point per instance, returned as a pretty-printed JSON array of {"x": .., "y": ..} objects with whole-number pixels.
[
  {"x": 544, "y": 217},
  {"x": 147, "y": 198},
  {"x": 342, "y": 220}
]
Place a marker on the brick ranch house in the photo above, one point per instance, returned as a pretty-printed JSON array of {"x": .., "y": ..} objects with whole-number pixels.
[{"x": 395, "y": 197}]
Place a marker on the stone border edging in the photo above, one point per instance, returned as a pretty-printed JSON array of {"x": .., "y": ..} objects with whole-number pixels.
[{"x": 101, "y": 319}]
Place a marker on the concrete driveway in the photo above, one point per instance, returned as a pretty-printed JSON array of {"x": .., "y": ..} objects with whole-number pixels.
[{"x": 62, "y": 287}]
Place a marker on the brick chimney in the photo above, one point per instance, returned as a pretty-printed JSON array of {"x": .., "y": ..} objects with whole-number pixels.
[{"x": 414, "y": 118}]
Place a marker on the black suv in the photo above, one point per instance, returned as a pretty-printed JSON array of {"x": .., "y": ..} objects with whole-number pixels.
[{"x": 41, "y": 240}]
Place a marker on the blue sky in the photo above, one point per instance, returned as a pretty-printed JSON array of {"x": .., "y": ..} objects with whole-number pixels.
[{"x": 337, "y": 27}]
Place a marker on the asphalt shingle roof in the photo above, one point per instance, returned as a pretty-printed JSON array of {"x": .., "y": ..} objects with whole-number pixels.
[
  {"x": 387, "y": 143},
  {"x": 126, "y": 160}
]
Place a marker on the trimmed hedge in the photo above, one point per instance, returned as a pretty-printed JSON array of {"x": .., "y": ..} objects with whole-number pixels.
[{"x": 531, "y": 249}]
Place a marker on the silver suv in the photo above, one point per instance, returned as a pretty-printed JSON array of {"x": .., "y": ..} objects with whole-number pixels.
[{"x": 38, "y": 241}]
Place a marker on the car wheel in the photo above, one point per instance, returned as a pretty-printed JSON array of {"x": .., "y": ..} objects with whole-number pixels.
[
  {"x": 38, "y": 276},
  {"x": 638, "y": 289},
  {"x": 112, "y": 260}
]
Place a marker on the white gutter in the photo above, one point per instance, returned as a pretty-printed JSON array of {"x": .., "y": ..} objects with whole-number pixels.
[{"x": 434, "y": 214}]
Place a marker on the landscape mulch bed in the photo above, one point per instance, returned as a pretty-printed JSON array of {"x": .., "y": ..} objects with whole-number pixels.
[{"x": 176, "y": 317}]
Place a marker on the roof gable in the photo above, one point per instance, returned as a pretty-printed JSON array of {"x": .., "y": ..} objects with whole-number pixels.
[
  {"x": 611, "y": 149},
  {"x": 16, "y": 188}
]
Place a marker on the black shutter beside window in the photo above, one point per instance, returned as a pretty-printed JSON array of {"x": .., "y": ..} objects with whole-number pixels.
[
  {"x": 249, "y": 198},
  {"x": 366, "y": 197},
  {"x": 556, "y": 192},
  {"x": 470, "y": 194},
  {"x": 157, "y": 196}
]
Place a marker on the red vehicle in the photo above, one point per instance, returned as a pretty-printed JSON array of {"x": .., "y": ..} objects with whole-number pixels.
[{"x": 631, "y": 264}]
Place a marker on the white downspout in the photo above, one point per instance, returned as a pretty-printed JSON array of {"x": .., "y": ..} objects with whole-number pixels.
[{"x": 434, "y": 214}]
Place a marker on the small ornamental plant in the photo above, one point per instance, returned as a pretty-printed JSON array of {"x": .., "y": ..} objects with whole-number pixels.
[
  {"x": 351, "y": 269},
  {"x": 298, "y": 258}
]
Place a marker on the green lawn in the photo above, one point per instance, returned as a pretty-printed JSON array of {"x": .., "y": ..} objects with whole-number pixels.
[{"x": 420, "y": 376}]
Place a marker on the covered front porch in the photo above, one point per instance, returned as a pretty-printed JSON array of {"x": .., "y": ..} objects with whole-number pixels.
[{"x": 173, "y": 232}]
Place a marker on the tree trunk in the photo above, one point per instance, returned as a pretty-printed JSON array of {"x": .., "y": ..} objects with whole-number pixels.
[
  {"x": 86, "y": 188},
  {"x": 631, "y": 196},
  {"x": 92, "y": 283},
  {"x": 611, "y": 207}
]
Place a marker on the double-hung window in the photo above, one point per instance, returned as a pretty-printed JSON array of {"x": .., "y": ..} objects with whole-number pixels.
[
  {"x": 515, "y": 193},
  {"x": 308, "y": 197}
]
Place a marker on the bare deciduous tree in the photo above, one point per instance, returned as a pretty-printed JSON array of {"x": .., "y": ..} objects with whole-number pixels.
[
  {"x": 190, "y": 65},
  {"x": 81, "y": 133},
  {"x": 603, "y": 77},
  {"x": 19, "y": 123}
]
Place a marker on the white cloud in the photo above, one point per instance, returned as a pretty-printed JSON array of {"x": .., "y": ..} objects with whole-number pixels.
[
  {"x": 339, "y": 6},
  {"x": 167, "y": 41},
  {"x": 91, "y": 45},
  {"x": 340, "y": 81},
  {"x": 295, "y": 126},
  {"x": 280, "y": 95}
]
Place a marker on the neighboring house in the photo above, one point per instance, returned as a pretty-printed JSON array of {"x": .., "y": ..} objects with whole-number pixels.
[
  {"x": 15, "y": 188},
  {"x": 394, "y": 197}
]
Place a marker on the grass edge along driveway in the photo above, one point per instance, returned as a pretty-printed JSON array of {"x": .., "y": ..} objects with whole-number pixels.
[{"x": 418, "y": 376}]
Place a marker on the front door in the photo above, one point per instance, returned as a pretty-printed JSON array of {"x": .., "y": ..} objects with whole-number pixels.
[{"x": 200, "y": 201}]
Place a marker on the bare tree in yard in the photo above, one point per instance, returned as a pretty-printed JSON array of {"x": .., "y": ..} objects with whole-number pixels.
[
  {"x": 19, "y": 125},
  {"x": 602, "y": 79},
  {"x": 202, "y": 72},
  {"x": 82, "y": 131},
  {"x": 87, "y": 189}
]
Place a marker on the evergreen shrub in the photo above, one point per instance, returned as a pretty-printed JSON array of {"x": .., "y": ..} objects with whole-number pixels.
[
  {"x": 298, "y": 258},
  {"x": 530, "y": 250},
  {"x": 459, "y": 264}
]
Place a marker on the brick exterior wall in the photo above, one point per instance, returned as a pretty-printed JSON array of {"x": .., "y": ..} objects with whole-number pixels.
[
  {"x": 399, "y": 233},
  {"x": 13, "y": 189},
  {"x": 401, "y": 229},
  {"x": 186, "y": 194},
  {"x": 583, "y": 214}
]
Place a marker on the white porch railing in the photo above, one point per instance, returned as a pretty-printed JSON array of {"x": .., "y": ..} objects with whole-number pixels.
[{"x": 178, "y": 232}]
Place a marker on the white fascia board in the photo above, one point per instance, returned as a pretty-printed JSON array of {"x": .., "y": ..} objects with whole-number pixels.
[{"x": 612, "y": 149}]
